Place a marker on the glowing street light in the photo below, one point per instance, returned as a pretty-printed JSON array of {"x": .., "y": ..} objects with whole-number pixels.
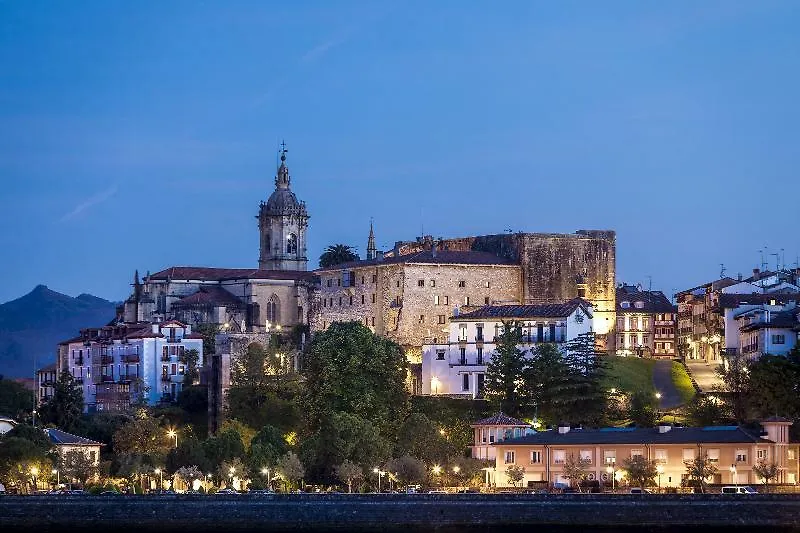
[
  {"x": 56, "y": 473},
  {"x": 34, "y": 473},
  {"x": 160, "y": 478},
  {"x": 173, "y": 435},
  {"x": 437, "y": 469},
  {"x": 231, "y": 472},
  {"x": 610, "y": 470},
  {"x": 733, "y": 475},
  {"x": 456, "y": 469},
  {"x": 265, "y": 471},
  {"x": 380, "y": 474},
  {"x": 658, "y": 395},
  {"x": 660, "y": 470}
]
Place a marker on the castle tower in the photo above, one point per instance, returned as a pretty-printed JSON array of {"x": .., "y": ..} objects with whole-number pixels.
[
  {"x": 372, "y": 251},
  {"x": 282, "y": 224}
]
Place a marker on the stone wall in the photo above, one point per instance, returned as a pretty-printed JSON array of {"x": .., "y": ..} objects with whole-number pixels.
[{"x": 400, "y": 512}]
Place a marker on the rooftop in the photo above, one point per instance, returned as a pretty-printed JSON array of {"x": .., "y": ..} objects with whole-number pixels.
[
  {"x": 501, "y": 419},
  {"x": 223, "y": 274},
  {"x": 676, "y": 435},
  {"x": 651, "y": 301},
  {"x": 560, "y": 310},
  {"x": 439, "y": 257},
  {"x": 57, "y": 436}
]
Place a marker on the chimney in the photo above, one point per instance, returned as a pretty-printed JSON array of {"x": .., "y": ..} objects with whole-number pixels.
[
  {"x": 563, "y": 428},
  {"x": 433, "y": 249},
  {"x": 664, "y": 428},
  {"x": 756, "y": 272},
  {"x": 739, "y": 276}
]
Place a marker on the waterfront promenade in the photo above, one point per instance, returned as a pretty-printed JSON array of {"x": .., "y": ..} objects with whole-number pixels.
[{"x": 406, "y": 512}]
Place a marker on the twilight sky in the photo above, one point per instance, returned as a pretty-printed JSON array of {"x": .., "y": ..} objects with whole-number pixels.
[{"x": 144, "y": 134}]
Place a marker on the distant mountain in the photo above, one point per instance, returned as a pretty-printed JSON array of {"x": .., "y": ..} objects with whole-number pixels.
[{"x": 32, "y": 326}]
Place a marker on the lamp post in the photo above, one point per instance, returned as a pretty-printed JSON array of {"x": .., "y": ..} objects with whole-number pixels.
[
  {"x": 173, "y": 434},
  {"x": 208, "y": 481},
  {"x": 34, "y": 473},
  {"x": 610, "y": 470},
  {"x": 734, "y": 479},
  {"x": 160, "y": 479},
  {"x": 58, "y": 476},
  {"x": 231, "y": 472},
  {"x": 265, "y": 471},
  {"x": 436, "y": 471},
  {"x": 660, "y": 470},
  {"x": 380, "y": 474}
]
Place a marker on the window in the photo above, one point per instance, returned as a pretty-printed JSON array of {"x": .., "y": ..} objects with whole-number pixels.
[
  {"x": 440, "y": 355},
  {"x": 480, "y": 356},
  {"x": 462, "y": 284},
  {"x": 661, "y": 456},
  {"x": 558, "y": 457},
  {"x": 362, "y": 280},
  {"x": 421, "y": 319},
  {"x": 778, "y": 339},
  {"x": 463, "y": 356},
  {"x": 586, "y": 455},
  {"x": 433, "y": 283},
  {"x": 609, "y": 456},
  {"x": 713, "y": 455},
  {"x": 790, "y": 454},
  {"x": 291, "y": 244},
  {"x": 436, "y": 299},
  {"x": 645, "y": 339},
  {"x": 340, "y": 301},
  {"x": 625, "y": 305},
  {"x": 373, "y": 297},
  {"x": 466, "y": 300},
  {"x": 462, "y": 332},
  {"x": 329, "y": 282},
  {"x": 645, "y": 322},
  {"x": 330, "y": 302},
  {"x": 762, "y": 455},
  {"x": 667, "y": 345},
  {"x": 442, "y": 319},
  {"x": 338, "y": 282},
  {"x": 637, "y": 453},
  {"x": 741, "y": 456},
  {"x": 634, "y": 323},
  {"x": 351, "y": 300},
  {"x": 362, "y": 298},
  {"x": 487, "y": 285},
  {"x": 688, "y": 454},
  {"x": 398, "y": 283},
  {"x": 374, "y": 278},
  {"x": 478, "y": 332},
  {"x": 639, "y": 305},
  {"x": 446, "y": 300},
  {"x": 373, "y": 321},
  {"x": 620, "y": 323},
  {"x": 509, "y": 457},
  {"x": 536, "y": 457},
  {"x": 420, "y": 283},
  {"x": 486, "y": 301},
  {"x": 465, "y": 382}
]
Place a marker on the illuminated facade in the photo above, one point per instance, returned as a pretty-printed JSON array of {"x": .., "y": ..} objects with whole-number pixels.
[{"x": 645, "y": 323}]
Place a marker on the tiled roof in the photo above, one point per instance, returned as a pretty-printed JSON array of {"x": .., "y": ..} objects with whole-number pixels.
[
  {"x": 210, "y": 295},
  {"x": 778, "y": 419},
  {"x": 654, "y": 301},
  {"x": 440, "y": 257},
  {"x": 732, "y": 301},
  {"x": 49, "y": 368},
  {"x": 785, "y": 319},
  {"x": 561, "y": 310},
  {"x": 57, "y": 436},
  {"x": 501, "y": 419},
  {"x": 715, "y": 285},
  {"x": 677, "y": 435},
  {"x": 222, "y": 274}
]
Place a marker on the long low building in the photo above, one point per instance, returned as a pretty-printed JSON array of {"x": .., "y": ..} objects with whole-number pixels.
[{"x": 734, "y": 450}]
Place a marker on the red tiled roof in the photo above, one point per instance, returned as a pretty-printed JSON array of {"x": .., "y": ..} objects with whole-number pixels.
[
  {"x": 221, "y": 274},
  {"x": 524, "y": 311},
  {"x": 654, "y": 301},
  {"x": 441, "y": 257},
  {"x": 210, "y": 295}
]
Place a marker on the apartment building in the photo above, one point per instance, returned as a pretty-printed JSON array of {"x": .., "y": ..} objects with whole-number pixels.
[{"x": 646, "y": 323}]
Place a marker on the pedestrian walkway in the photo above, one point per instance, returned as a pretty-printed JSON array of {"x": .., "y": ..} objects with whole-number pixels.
[
  {"x": 662, "y": 381},
  {"x": 704, "y": 374}
]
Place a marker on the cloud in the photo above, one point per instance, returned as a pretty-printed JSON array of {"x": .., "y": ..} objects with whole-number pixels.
[
  {"x": 89, "y": 202},
  {"x": 321, "y": 48}
]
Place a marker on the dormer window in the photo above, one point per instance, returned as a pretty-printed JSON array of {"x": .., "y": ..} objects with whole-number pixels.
[
  {"x": 639, "y": 305},
  {"x": 625, "y": 304}
]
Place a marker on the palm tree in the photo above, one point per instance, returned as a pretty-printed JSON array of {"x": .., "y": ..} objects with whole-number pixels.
[{"x": 337, "y": 254}]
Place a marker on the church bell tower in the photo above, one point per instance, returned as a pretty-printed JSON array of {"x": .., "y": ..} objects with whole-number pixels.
[{"x": 282, "y": 224}]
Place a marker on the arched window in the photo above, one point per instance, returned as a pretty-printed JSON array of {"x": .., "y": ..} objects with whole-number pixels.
[
  {"x": 291, "y": 244},
  {"x": 273, "y": 310}
]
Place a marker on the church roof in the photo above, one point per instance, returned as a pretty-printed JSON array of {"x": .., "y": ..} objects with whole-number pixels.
[
  {"x": 223, "y": 274},
  {"x": 209, "y": 295}
]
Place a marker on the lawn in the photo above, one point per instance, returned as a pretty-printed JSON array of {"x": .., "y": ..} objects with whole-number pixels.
[
  {"x": 629, "y": 374},
  {"x": 682, "y": 382}
]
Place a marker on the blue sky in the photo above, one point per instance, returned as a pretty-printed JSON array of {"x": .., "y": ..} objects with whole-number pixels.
[{"x": 144, "y": 134}]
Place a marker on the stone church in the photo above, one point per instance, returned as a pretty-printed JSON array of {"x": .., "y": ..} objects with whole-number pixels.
[{"x": 276, "y": 295}]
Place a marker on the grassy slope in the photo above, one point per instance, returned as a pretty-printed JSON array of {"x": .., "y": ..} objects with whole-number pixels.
[
  {"x": 682, "y": 382},
  {"x": 629, "y": 374}
]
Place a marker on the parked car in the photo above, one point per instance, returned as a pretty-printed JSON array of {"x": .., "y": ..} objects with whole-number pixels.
[
  {"x": 437, "y": 492},
  {"x": 639, "y": 490},
  {"x": 226, "y": 491},
  {"x": 743, "y": 489}
]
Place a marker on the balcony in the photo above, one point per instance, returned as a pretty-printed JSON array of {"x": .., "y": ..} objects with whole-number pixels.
[
  {"x": 166, "y": 377},
  {"x": 127, "y": 378},
  {"x": 131, "y": 358},
  {"x": 165, "y": 357},
  {"x": 79, "y": 361},
  {"x": 106, "y": 379},
  {"x": 174, "y": 340},
  {"x": 106, "y": 359}
]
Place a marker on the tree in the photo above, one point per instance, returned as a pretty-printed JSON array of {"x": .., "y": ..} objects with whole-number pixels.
[
  {"x": 141, "y": 436},
  {"x": 22, "y": 448},
  {"x": 64, "y": 408},
  {"x": 15, "y": 400},
  {"x": 190, "y": 452},
  {"x": 349, "y": 369},
  {"x": 504, "y": 372},
  {"x": 209, "y": 334},
  {"x": 225, "y": 447},
  {"x": 190, "y": 358},
  {"x": 699, "y": 470},
  {"x": 348, "y": 472},
  {"x": 515, "y": 474},
  {"x": 575, "y": 469},
  {"x": 583, "y": 394},
  {"x": 642, "y": 410},
  {"x": 337, "y": 254},
  {"x": 735, "y": 376},
  {"x": 407, "y": 469},
  {"x": 290, "y": 469},
  {"x": 639, "y": 471},
  {"x": 766, "y": 471},
  {"x": 420, "y": 437},
  {"x": 772, "y": 386},
  {"x": 231, "y": 470},
  {"x": 189, "y": 474},
  {"x": 546, "y": 378},
  {"x": 706, "y": 411},
  {"x": 133, "y": 468},
  {"x": 77, "y": 464}
]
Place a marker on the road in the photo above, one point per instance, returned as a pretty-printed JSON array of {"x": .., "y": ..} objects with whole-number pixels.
[
  {"x": 704, "y": 374},
  {"x": 662, "y": 381}
]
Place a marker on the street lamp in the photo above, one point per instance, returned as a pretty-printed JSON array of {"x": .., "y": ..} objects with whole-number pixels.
[
  {"x": 660, "y": 470},
  {"x": 231, "y": 472},
  {"x": 160, "y": 479},
  {"x": 734, "y": 479},
  {"x": 658, "y": 396},
  {"x": 380, "y": 474},
  {"x": 208, "y": 481},
  {"x": 56, "y": 473},
  {"x": 34, "y": 473},
  {"x": 173, "y": 434},
  {"x": 265, "y": 471},
  {"x": 610, "y": 470}
]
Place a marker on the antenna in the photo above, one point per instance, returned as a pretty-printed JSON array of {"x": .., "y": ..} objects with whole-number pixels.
[
  {"x": 721, "y": 270},
  {"x": 777, "y": 259},
  {"x": 649, "y": 283},
  {"x": 764, "y": 263}
]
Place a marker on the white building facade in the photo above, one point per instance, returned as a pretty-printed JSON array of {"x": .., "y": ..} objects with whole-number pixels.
[
  {"x": 119, "y": 365},
  {"x": 458, "y": 366}
]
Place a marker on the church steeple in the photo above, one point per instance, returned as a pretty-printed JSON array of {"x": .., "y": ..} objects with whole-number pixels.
[
  {"x": 282, "y": 178},
  {"x": 372, "y": 251}
]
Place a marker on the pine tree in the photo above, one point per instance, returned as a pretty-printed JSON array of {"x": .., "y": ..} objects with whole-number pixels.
[
  {"x": 64, "y": 408},
  {"x": 585, "y": 399},
  {"x": 504, "y": 372}
]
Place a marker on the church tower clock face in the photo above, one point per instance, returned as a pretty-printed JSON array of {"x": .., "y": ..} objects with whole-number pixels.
[{"x": 282, "y": 223}]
